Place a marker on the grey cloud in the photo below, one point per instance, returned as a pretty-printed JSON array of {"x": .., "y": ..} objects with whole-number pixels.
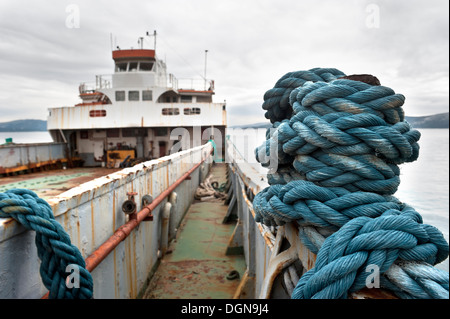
[{"x": 251, "y": 45}]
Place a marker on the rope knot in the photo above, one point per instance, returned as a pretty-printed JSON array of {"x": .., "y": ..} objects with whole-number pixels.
[{"x": 338, "y": 141}]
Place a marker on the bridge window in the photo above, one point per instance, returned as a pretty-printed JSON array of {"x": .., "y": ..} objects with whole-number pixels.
[
  {"x": 133, "y": 96},
  {"x": 170, "y": 111},
  {"x": 121, "y": 67},
  {"x": 147, "y": 95},
  {"x": 120, "y": 95},
  {"x": 145, "y": 66},
  {"x": 133, "y": 66}
]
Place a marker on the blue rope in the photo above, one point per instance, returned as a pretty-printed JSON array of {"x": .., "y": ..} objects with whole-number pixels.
[
  {"x": 53, "y": 244},
  {"x": 338, "y": 143}
]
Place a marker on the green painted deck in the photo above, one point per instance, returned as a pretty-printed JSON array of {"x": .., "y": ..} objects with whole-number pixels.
[
  {"x": 196, "y": 266},
  {"x": 50, "y": 183}
]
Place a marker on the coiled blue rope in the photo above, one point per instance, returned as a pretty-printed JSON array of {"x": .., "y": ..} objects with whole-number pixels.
[
  {"x": 338, "y": 142},
  {"x": 53, "y": 244}
]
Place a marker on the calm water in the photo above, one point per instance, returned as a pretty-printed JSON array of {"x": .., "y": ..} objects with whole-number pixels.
[
  {"x": 26, "y": 137},
  {"x": 424, "y": 183}
]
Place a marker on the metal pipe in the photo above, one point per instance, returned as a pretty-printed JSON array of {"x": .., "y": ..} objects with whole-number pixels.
[{"x": 123, "y": 231}]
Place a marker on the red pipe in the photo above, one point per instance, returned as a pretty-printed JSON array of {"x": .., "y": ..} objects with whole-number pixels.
[{"x": 123, "y": 231}]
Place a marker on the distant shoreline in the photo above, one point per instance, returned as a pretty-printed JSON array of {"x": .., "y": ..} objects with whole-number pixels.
[{"x": 440, "y": 120}]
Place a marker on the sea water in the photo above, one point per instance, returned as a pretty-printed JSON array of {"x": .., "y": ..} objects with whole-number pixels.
[
  {"x": 26, "y": 137},
  {"x": 424, "y": 184}
]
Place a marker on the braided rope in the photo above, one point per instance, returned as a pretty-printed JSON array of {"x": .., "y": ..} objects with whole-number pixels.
[
  {"x": 276, "y": 100},
  {"x": 338, "y": 146},
  {"x": 53, "y": 244}
]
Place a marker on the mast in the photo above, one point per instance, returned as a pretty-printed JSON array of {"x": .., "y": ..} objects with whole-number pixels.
[
  {"x": 206, "y": 52},
  {"x": 154, "y": 39}
]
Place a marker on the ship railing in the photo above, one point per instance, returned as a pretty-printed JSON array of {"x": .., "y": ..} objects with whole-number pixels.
[
  {"x": 102, "y": 81},
  {"x": 195, "y": 84}
]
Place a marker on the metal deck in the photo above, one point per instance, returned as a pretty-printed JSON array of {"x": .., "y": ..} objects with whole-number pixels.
[
  {"x": 50, "y": 183},
  {"x": 196, "y": 265}
]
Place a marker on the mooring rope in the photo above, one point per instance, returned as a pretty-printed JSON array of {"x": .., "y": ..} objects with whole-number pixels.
[
  {"x": 53, "y": 244},
  {"x": 333, "y": 151}
]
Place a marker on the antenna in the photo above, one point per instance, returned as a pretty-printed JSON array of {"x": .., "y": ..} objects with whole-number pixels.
[
  {"x": 206, "y": 52},
  {"x": 154, "y": 40}
]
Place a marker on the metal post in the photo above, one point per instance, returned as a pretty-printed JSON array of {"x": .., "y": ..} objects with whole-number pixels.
[{"x": 206, "y": 52}]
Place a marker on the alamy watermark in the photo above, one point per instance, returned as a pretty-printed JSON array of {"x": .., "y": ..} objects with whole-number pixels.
[
  {"x": 73, "y": 279},
  {"x": 73, "y": 17},
  {"x": 373, "y": 279},
  {"x": 373, "y": 16}
]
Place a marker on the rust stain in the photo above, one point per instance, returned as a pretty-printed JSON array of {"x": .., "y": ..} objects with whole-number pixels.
[
  {"x": 311, "y": 261},
  {"x": 66, "y": 221},
  {"x": 8, "y": 222},
  {"x": 92, "y": 224},
  {"x": 114, "y": 211},
  {"x": 167, "y": 176},
  {"x": 373, "y": 293},
  {"x": 79, "y": 232}
]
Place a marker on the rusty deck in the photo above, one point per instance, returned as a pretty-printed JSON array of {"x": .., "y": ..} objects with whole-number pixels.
[
  {"x": 196, "y": 265},
  {"x": 50, "y": 183}
]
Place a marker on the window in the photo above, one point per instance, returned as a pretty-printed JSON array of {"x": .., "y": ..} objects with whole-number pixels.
[
  {"x": 191, "y": 111},
  {"x": 133, "y": 66},
  {"x": 133, "y": 96},
  {"x": 147, "y": 95},
  {"x": 121, "y": 67},
  {"x": 97, "y": 113},
  {"x": 113, "y": 132},
  {"x": 186, "y": 98},
  {"x": 170, "y": 111},
  {"x": 120, "y": 95},
  {"x": 145, "y": 66}
]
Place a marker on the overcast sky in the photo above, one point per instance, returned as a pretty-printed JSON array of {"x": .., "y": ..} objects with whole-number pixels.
[{"x": 45, "y": 55}]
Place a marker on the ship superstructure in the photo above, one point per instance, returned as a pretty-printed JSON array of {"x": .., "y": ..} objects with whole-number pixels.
[{"x": 140, "y": 111}]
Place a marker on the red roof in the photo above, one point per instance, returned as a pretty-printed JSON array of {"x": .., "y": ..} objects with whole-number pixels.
[{"x": 133, "y": 53}]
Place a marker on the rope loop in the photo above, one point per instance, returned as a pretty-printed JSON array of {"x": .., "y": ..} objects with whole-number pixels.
[{"x": 53, "y": 244}]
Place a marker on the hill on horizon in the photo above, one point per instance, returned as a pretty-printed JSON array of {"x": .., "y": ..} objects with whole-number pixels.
[
  {"x": 23, "y": 126},
  {"x": 440, "y": 120}
]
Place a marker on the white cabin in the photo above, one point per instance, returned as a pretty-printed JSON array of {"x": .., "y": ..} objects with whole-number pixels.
[{"x": 139, "y": 108}]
